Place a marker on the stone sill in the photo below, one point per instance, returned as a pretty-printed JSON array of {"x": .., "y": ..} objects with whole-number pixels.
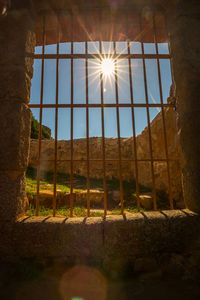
[
  {"x": 96, "y": 240},
  {"x": 130, "y": 217}
]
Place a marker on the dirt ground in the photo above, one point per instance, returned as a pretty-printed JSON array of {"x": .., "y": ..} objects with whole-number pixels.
[{"x": 27, "y": 281}]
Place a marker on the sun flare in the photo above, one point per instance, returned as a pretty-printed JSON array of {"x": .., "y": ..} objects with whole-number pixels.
[{"x": 107, "y": 66}]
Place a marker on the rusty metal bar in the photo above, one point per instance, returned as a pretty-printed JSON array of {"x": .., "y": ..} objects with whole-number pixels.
[
  {"x": 87, "y": 122},
  {"x": 83, "y": 8},
  {"x": 134, "y": 131},
  {"x": 170, "y": 54},
  {"x": 87, "y": 134},
  {"x": 98, "y": 56},
  {"x": 108, "y": 160},
  {"x": 101, "y": 105},
  {"x": 119, "y": 139},
  {"x": 72, "y": 118},
  {"x": 149, "y": 124},
  {"x": 40, "y": 124},
  {"x": 103, "y": 137},
  {"x": 56, "y": 122},
  {"x": 163, "y": 116}
]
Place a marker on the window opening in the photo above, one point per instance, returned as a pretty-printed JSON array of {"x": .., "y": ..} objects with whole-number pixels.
[{"x": 100, "y": 96}]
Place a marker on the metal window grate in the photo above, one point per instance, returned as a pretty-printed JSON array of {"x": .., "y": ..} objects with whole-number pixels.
[{"x": 128, "y": 56}]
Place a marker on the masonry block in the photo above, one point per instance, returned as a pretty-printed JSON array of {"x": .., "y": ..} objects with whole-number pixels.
[
  {"x": 183, "y": 21},
  {"x": 12, "y": 195},
  {"x": 15, "y": 124},
  {"x": 17, "y": 40},
  {"x": 15, "y": 83}
]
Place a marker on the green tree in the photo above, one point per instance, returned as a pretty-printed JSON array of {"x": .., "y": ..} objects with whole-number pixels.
[{"x": 35, "y": 130}]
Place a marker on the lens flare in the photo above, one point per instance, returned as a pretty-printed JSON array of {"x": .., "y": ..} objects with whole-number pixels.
[{"x": 107, "y": 66}]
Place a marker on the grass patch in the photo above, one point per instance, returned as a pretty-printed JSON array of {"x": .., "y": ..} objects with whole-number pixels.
[
  {"x": 80, "y": 183},
  {"x": 46, "y": 182},
  {"x": 78, "y": 211}
]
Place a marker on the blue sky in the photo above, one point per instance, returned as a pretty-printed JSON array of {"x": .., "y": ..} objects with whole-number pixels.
[{"x": 79, "y": 87}]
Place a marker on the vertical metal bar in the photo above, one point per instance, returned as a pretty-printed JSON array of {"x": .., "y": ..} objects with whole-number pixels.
[
  {"x": 40, "y": 122},
  {"x": 134, "y": 131},
  {"x": 173, "y": 82},
  {"x": 163, "y": 114},
  {"x": 56, "y": 119},
  {"x": 169, "y": 48},
  {"x": 72, "y": 118},
  {"x": 118, "y": 134},
  {"x": 103, "y": 134},
  {"x": 87, "y": 127},
  {"x": 149, "y": 126}
]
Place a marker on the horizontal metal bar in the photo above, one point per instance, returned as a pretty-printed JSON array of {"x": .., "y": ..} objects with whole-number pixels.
[
  {"x": 107, "y": 160},
  {"x": 101, "y": 105},
  {"x": 101, "y": 56},
  {"x": 101, "y": 7}
]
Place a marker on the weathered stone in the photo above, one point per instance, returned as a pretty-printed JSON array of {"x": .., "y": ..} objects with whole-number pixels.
[
  {"x": 63, "y": 199},
  {"x": 113, "y": 243},
  {"x": 151, "y": 275},
  {"x": 12, "y": 195},
  {"x": 116, "y": 196},
  {"x": 15, "y": 122},
  {"x": 183, "y": 22},
  {"x": 96, "y": 197},
  {"x": 15, "y": 84},
  {"x": 17, "y": 40},
  {"x": 146, "y": 201},
  {"x": 145, "y": 264},
  {"x": 191, "y": 181},
  {"x": 76, "y": 240},
  {"x": 175, "y": 265}
]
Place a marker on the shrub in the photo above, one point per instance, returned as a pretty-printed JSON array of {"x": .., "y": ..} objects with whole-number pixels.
[{"x": 35, "y": 130}]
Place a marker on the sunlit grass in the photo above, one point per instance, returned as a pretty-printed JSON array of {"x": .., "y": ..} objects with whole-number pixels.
[
  {"x": 31, "y": 187},
  {"x": 80, "y": 183},
  {"x": 78, "y": 211}
]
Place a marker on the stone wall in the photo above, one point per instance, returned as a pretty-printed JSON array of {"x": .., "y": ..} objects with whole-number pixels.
[
  {"x": 183, "y": 24},
  {"x": 152, "y": 242},
  {"x": 17, "y": 41},
  {"x": 127, "y": 151}
]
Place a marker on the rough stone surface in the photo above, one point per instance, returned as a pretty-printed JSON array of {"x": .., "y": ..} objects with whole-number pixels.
[
  {"x": 15, "y": 122},
  {"x": 12, "y": 195},
  {"x": 145, "y": 264},
  {"x": 17, "y": 41},
  {"x": 146, "y": 201},
  {"x": 115, "y": 243},
  {"x": 15, "y": 84},
  {"x": 62, "y": 199},
  {"x": 147, "y": 235},
  {"x": 183, "y": 23}
]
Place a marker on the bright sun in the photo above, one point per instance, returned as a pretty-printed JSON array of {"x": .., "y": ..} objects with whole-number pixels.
[{"x": 107, "y": 66}]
